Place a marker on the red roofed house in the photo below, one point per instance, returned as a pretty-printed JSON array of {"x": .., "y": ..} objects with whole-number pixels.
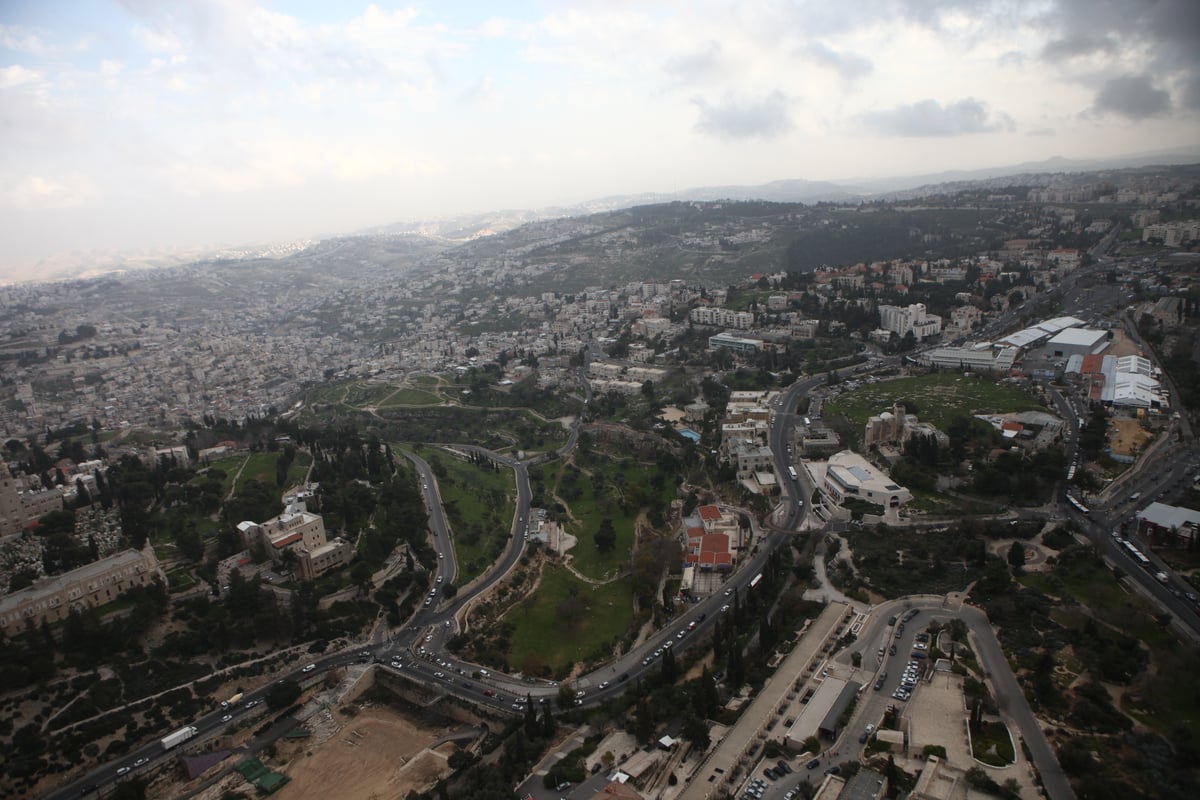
[
  {"x": 709, "y": 552},
  {"x": 709, "y": 515}
]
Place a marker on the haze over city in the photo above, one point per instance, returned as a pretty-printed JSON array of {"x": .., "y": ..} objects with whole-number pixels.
[{"x": 142, "y": 125}]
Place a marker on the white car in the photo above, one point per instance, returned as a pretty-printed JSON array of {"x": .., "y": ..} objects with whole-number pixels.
[{"x": 309, "y": 668}]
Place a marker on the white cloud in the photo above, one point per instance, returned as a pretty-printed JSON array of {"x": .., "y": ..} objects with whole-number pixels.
[
  {"x": 931, "y": 118},
  {"x": 42, "y": 193},
  {"x": 16, "y": 75},
  {"x": 734, "y": 118}
]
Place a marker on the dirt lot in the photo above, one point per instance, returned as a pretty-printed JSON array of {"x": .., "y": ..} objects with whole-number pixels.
[
  {"x": 1127, "y": 436},
  {"x": 375, "y": 754}
]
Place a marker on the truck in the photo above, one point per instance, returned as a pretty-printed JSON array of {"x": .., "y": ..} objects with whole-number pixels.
[
  {"x": 178, "y": 737},
  {"x": 232, "y": 701}
]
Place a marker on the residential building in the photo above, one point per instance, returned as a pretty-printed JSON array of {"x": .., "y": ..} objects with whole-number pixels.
[
  {"x": 21, "y": 505},
  {"x": 914, "y": 319}
]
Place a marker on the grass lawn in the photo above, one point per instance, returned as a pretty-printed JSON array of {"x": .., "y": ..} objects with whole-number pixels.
[
  {"x": 993, "y": 745},
  {"x": 410, "y": 397},
  {"x": 540, "y": 635},
  {"x": 229, "y": 466},
  {"x": 936, "y": 398},
  {"x": 480, "y": 505},
  {"x": 259, "y": 467},
  {"x": 620, "y": 478}
]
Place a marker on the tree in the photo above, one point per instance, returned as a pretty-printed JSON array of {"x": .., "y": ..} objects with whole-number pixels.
[
  {"x": 695, "y": 730},
  {"x": 360, "y": 574},
  {"x": 606, "y": 536},
  {"x": 283, "y": 694},
  {"x": 1016, "y": 557}
]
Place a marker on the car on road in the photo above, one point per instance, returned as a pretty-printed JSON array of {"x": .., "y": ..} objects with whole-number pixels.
[
  {"x": 309, "y": 668},
  {"x": 439, "y": 674},
  {"x": 891, "y": 650},
  {"x": 604, "y": 685},
  {"x": 488, "y": 693},
  {"x": 783, "y": 767},
  {"x": 724, "y": 608},
  {"x": 253, "y": 703},
  {"x": 647, "y": 660},
  {"x": 816, "y": 762},
  {"x": 834, "y": 770}
]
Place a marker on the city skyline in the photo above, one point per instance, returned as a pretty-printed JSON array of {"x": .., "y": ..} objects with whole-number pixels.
[{"x": 175, "y": 125}]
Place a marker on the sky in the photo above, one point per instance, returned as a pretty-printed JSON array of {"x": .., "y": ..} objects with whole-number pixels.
[{"x": 146, "y": 125}]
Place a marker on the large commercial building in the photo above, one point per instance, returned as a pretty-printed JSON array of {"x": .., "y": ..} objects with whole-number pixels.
[
  {"x": 95, "y": 584},
  {"x": 1076, "y": 341},
  {"x": 976, "y": 358},
  {"x": 738, "y": 344},
  {"x": 849, "y": 475}
]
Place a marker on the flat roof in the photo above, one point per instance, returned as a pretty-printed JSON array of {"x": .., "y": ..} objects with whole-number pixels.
[
  {"x": 813, "y": 715},
  {"x": 1084, "y": 337}
]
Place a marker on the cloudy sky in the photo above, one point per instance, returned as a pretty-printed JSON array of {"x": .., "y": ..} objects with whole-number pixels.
[{"x": 157, "y": 123}]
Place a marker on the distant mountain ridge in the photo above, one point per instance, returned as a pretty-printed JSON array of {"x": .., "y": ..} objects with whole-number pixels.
[{"x": 458, "y": 229}]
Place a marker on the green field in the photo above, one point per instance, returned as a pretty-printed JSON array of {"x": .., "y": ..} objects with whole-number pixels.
[
  {"x": 541, "y": 636},
  {"x": 410, "y": 397},
  {"x": 229, "y": 466},
  {"x": 261, "y": 467},
  {"x": 626, "y": 487},
  {"x": 480, "y": 505},
  {"x": 937, "y": 398}
]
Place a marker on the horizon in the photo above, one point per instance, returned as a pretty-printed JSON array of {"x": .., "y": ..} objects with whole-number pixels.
[{"x": 146, "y": 128}]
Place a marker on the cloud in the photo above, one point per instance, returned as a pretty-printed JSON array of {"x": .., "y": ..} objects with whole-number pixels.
[
  {"x": 1191, "y": 94},
  {"x": 41, "y": 192},
  {"x": 1075, "y": 45},
  {"x": 931, "y": 118},
  {"x": 698, "y": 66},
  {"x": 1132, "y": 96},
  {"x": 16, "y": 75},
  {"x": 745, "y": 118},
  {"x": 1041, "y": 132},
  {"x": 848, "y": 65}
]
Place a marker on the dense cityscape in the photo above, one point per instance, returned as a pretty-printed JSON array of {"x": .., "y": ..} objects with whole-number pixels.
[{"x": 879, "y": 498}]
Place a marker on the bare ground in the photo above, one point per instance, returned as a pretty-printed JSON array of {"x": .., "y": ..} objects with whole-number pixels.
[
  {"x": 1127, "y": 436},
  {"x": 376, "y": 754}
]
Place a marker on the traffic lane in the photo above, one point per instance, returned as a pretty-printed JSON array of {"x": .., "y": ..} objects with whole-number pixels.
[{"x": 1011, "y": 700}]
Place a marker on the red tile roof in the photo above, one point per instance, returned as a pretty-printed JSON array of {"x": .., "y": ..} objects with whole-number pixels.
[{"x": 710, "y": 513}]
